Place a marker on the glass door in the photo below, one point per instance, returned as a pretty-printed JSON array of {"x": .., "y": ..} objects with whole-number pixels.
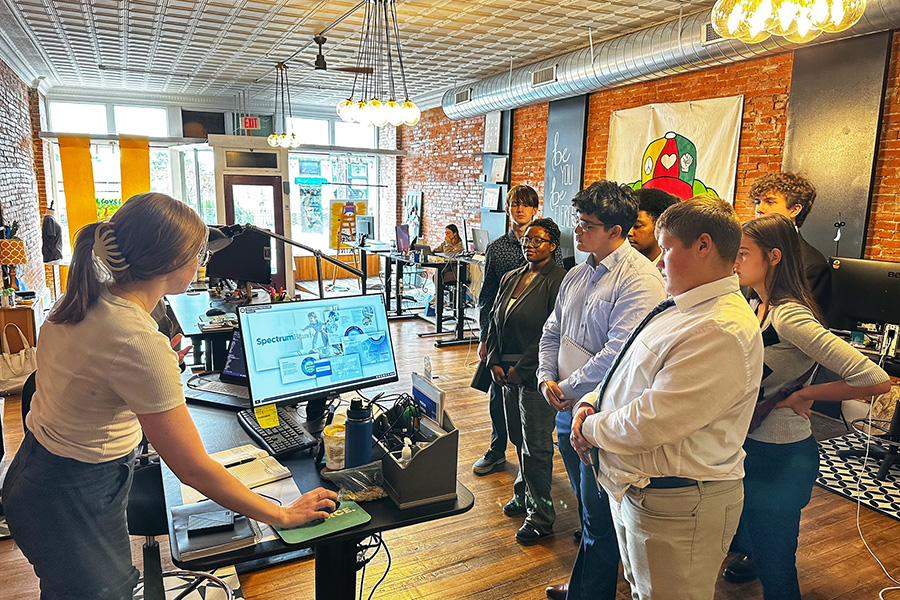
[{"x": 256, "y": 199}]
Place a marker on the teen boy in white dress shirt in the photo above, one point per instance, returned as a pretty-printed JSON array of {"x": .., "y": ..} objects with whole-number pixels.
[{"x": 670, "y": 420}]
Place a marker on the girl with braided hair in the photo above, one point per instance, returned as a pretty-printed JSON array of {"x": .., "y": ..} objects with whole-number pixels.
[{"x": 105, "y": 375}]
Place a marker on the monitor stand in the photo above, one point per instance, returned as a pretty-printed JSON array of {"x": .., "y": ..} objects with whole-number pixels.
[{"x": 317, "y": 414}]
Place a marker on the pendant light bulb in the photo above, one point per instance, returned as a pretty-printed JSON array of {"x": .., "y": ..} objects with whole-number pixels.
[{"x": 272, "y": 140}]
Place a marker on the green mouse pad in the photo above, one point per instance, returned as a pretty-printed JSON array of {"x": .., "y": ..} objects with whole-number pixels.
[{"x": 348, "y": 515}]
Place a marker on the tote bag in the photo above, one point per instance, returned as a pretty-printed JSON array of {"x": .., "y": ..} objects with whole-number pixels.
[{"x": 15, "y": 368}]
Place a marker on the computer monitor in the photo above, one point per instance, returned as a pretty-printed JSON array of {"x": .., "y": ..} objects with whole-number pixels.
[
  {"x": 863, "y": 291},
  {"x": 482, "y": 239},
  {"x": 235, "y": 369},
  {"x": 403, "y": 238},
  {"x": 307, "y": 351},
  {"x": 365, "y": 228},
  {"x": 247, "y": 258}
]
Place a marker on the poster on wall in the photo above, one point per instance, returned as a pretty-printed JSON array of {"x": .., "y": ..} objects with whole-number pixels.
[
  {"x": 564, "y": 170},
  {"x": 684, "y": 148},
  {"x": 412, "y": 212},
  {"x": 343, "y": 222}
]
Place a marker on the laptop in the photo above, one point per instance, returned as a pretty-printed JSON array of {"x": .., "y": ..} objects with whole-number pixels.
[
  {"x": 425, "y": 249},
  {"x": 230, "y": 387},
  {"x": 482, "y": 238}
]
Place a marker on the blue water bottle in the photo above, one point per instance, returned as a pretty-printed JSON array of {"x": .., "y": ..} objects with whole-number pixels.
[{"x": 358, "y": 440}]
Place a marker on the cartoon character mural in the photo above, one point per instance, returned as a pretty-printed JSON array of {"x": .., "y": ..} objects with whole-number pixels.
[{"x": 670, "y": 164}]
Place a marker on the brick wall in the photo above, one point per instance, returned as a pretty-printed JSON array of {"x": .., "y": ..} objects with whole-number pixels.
[
  {"x": 883, "y": 235},
  {"x": 765, "y": 84},
  {"x": 440, "y": 162},
  {"x": 529, "y": 147},
  {"x": 18, "y": 184}
]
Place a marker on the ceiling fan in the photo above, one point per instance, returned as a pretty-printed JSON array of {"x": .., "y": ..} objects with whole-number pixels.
[{"x": 321, "y": 65}]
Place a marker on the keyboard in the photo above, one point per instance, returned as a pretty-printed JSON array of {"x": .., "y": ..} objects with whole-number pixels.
[
  {"x": 289, "y": 436},
  {"x": 220, "y": 387}
]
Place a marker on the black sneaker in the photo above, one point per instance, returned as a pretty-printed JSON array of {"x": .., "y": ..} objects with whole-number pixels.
[
  {"x": 740, "y": 570},
  {"x": 488, "y": 463},
  {"x": 529, "y": 534},
  {"x": 514, "y": 508}
]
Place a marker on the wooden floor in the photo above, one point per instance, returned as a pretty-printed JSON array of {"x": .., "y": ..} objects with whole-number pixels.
[{"x": 475, "y": 555}]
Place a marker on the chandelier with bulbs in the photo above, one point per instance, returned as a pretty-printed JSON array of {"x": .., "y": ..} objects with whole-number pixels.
[
  {"x": 377, "y": 58},
  {"x": 282, "y": 100},
  {"x": 797, "y": 21}
]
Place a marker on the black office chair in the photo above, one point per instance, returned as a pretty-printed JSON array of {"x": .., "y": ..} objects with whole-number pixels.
[
  {"x": 886, "y": 437},
  {"x": 146, "y": 515}
]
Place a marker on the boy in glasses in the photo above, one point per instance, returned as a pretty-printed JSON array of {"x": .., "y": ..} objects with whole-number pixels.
[{"x": 600, "y": 301}]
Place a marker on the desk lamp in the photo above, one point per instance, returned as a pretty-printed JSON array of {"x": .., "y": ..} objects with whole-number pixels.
[{"x": 12, "y": 253}]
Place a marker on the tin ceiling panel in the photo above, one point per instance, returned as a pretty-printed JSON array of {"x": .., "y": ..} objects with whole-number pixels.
[{"x": 215, "y": 50}]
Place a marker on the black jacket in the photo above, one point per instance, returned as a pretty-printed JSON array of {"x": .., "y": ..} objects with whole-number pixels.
[{"x": 518, "y": 333}]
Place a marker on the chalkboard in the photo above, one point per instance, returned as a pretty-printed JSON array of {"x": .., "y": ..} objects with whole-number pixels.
[{"x": 564, "y": 169}]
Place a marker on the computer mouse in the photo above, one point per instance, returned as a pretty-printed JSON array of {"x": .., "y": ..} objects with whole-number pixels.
[
  {"x": 337, "y": 505},
  {"x": 215, "y": 312}
]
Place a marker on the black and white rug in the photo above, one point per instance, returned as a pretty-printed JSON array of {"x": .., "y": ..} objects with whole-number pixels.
[
  {"x": 177, "y": 585},
  {"x": 840, "y": 475}
]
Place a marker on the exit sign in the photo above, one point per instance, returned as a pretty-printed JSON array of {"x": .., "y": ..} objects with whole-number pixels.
[{"x": 251, "y": 122}]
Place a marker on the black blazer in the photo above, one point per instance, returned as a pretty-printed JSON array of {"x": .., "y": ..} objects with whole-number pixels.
[
  {"x": 818, "y": 274},
  {"x": 518, "y": 333}
]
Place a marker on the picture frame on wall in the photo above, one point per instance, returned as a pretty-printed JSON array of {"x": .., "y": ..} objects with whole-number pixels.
[
  {"x": 490, "y": 197},
  {"x": 492, "y": 132},
  {"x": 498, "y": 169}
]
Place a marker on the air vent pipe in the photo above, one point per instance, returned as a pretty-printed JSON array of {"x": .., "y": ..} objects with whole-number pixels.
[{"x": 672, "y": 48}]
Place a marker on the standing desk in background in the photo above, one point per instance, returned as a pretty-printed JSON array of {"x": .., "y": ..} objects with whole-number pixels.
[
  {"x": 189, "y": 307},
  {"x": 335, "y": 555}
]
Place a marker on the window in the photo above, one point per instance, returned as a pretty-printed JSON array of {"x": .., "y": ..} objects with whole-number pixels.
[
  {"x": 198, "y": 178},
  {"x": 354, "y": 135},
  {"x": 317, "y": 183},
  {"x": 140, "y": 120},
  {"x": 309, "y": 131},
  {"x": 67, "y": 117}
]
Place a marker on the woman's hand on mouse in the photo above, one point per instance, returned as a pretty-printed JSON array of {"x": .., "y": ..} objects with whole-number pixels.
[{"x": 315, "y": 504}]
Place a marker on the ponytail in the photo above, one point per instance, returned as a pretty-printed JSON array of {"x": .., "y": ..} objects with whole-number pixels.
[{"x": 86, "y": 279}]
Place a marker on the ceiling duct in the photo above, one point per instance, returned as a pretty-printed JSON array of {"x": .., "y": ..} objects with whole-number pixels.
[{"x": 672, "y": 48}]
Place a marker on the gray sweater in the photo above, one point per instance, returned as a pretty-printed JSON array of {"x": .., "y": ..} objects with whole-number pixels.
[{"x": 793, "y": 340}]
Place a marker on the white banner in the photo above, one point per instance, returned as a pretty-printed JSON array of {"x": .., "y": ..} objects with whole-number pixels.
[{"x": 685, "y": 148}]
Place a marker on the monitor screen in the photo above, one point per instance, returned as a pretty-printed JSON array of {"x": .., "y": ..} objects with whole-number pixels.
[
  {"x": 302, "y": 351},
  {"x": 863, "y": 291},
  {"x": 365, "y": 226},
  {"x": 403, "y": 238},
  {"x": 247, "y": 258},
  {"x": 235, "y": 369}
]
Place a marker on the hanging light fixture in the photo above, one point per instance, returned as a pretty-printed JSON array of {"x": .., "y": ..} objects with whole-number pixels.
[
  {"x": 798, "y": 21},
  {"x": 377, "y": 102},
  {"x": 282, "y": 92}
]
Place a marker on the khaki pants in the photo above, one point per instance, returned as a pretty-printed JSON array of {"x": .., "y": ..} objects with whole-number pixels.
[{"x": 673, "y": 541}]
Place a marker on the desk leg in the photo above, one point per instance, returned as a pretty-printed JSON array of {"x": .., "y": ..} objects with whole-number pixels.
[
  {"x": 388, "y": 267},
  {"x": 398, "y": 290},
  {"x": 362, "y": 260},
  {"x": 459, "y": 339},
  {"x": 439, "y": 301},
  {"x": 336, "y": 570}
]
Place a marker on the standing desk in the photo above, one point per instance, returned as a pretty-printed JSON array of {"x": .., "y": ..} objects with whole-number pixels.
[
  {"x": 335, "y": 555},
  {"x": 459, "y": 337}
]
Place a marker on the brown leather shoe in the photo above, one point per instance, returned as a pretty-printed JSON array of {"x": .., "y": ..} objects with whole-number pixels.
[{"x": 558, "y": 592}]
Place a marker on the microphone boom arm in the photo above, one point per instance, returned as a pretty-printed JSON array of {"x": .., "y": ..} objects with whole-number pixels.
[{"x": 318, "y": 254}]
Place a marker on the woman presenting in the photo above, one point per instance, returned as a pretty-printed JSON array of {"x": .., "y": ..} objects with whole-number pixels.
[
  {"x": 524, "y": 301},
  {"x": 782, "y": 460},
  {"x": 105, "y": 374}
]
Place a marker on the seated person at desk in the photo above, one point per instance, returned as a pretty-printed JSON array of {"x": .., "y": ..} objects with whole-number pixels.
[
  {"x": 452, "y": 245},
  {"x": 105, "y": 373}
]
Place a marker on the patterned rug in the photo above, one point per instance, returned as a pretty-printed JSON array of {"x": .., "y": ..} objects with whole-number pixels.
[
  {"x": 176, "y": 586},
  {"x": 839, "y": 475}
]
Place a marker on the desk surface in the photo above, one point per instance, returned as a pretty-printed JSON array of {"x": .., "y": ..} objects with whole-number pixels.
[{"x": 220, "y": 430}]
